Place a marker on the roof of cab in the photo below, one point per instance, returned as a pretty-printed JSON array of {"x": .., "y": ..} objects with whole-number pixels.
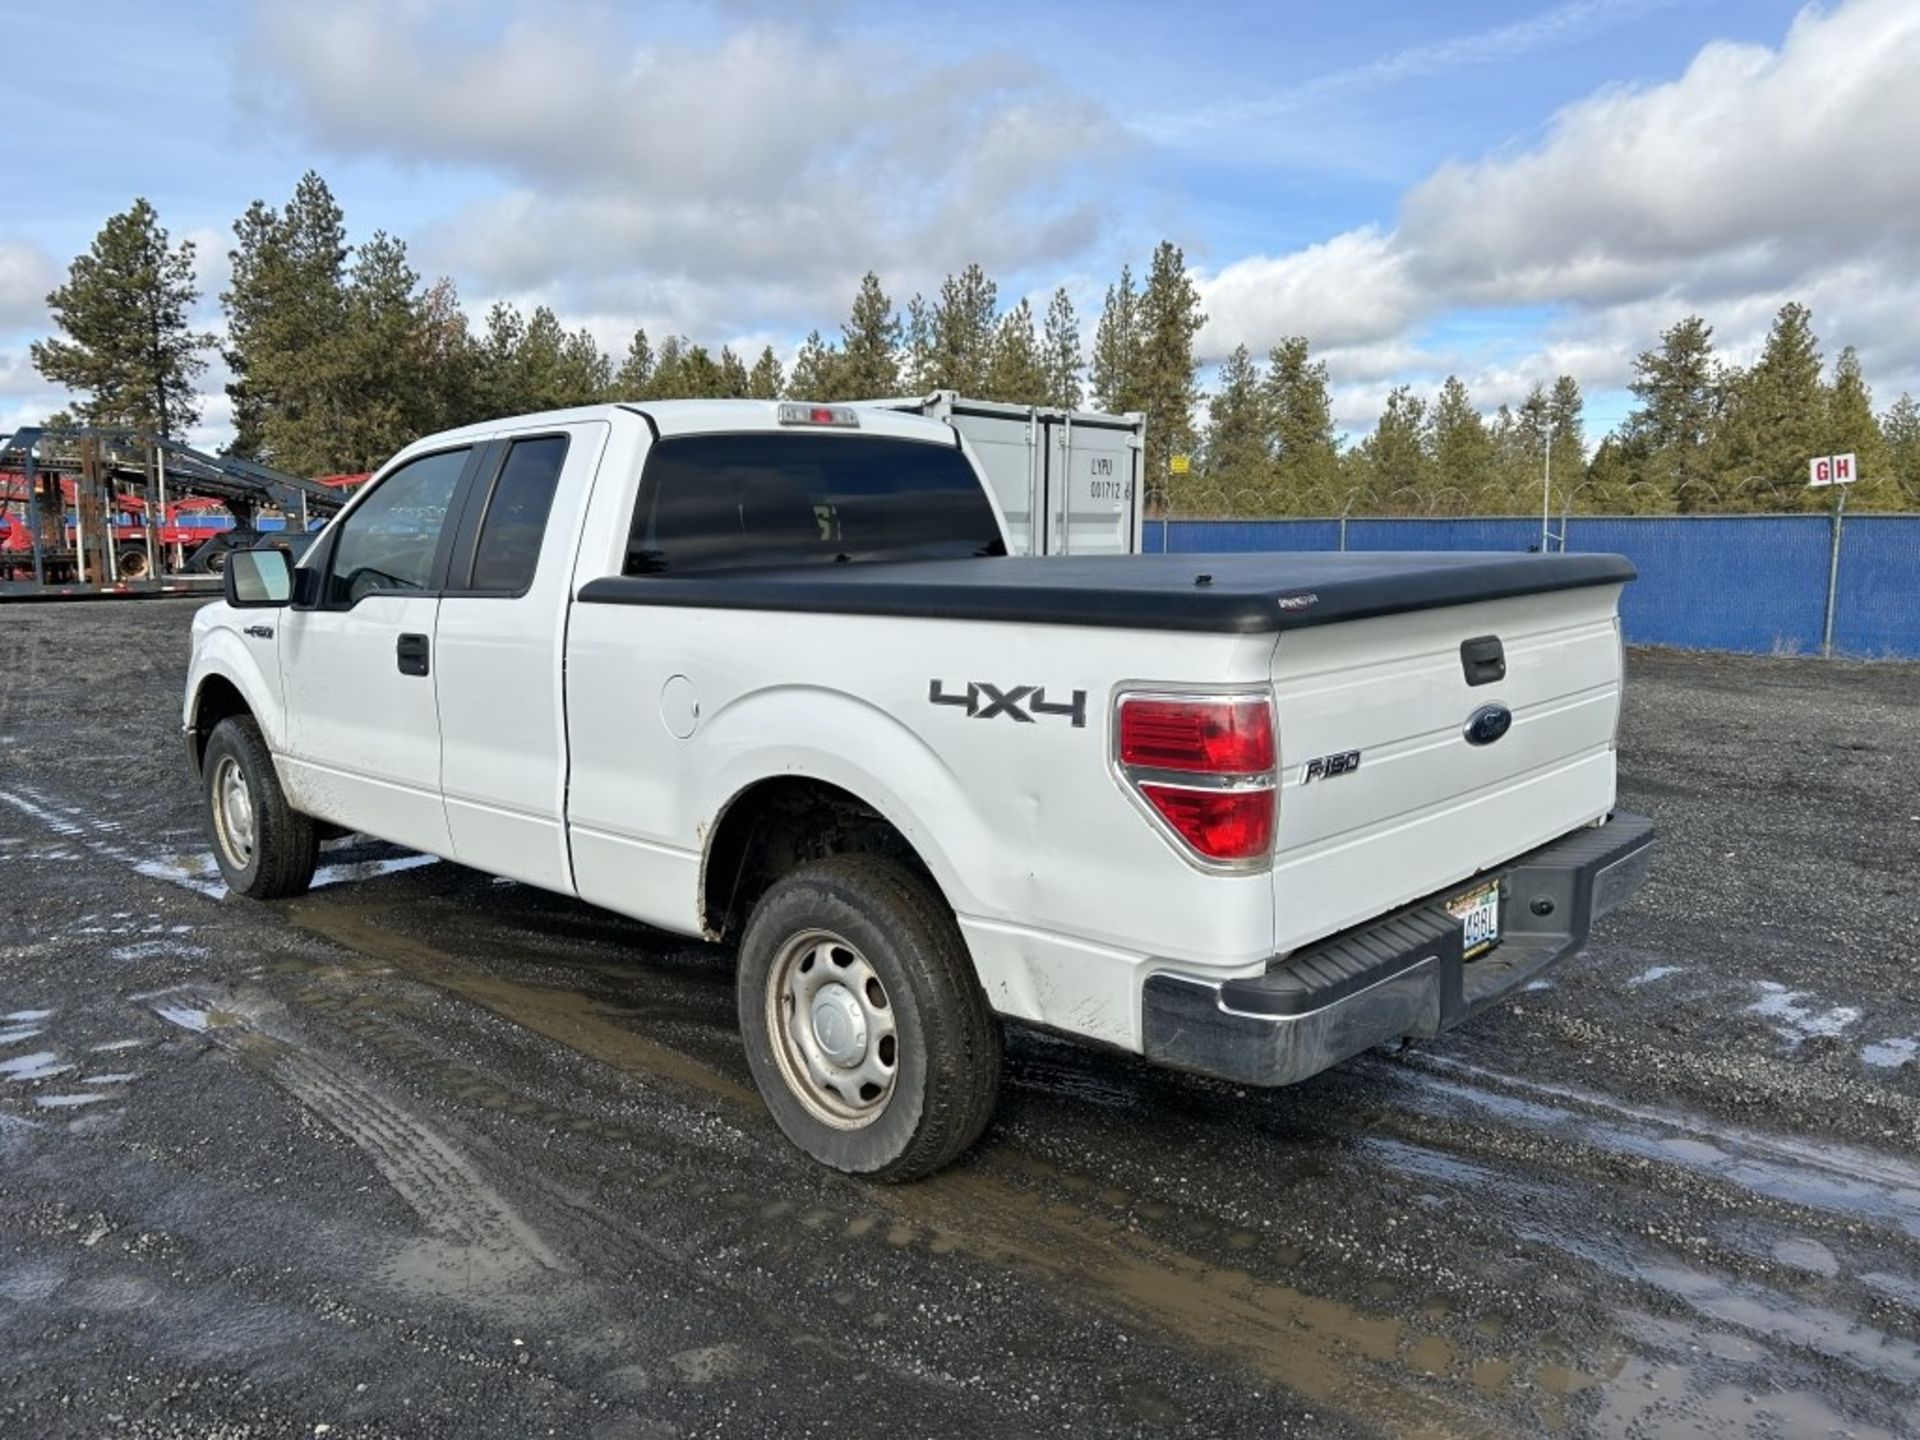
[{"x": 698, "y": 417}]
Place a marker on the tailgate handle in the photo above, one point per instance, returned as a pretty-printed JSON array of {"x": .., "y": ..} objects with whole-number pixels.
[{"x": 1483, "y": 660}]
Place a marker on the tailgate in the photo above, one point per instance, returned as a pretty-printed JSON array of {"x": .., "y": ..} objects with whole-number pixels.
[{"x": 1424, "y": 808}]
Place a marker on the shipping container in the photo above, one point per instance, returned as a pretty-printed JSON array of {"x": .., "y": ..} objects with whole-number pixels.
[{"x": 1069, "y": 481}]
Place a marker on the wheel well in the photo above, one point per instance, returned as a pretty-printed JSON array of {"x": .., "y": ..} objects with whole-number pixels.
[
  {"x": 776, "y": 825},
  {"x": 218, "y": 699}
]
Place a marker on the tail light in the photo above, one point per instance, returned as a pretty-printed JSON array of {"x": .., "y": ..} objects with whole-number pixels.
[{"x": 1204, "y": 766}]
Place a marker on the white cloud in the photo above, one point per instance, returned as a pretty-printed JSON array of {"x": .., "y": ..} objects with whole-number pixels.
[
  {"x": 27, "y": 273},
  {"x": 1758, "y": 176},
  {"x": 1558, "y": 25},
  {"x": 759, "y": 170}
]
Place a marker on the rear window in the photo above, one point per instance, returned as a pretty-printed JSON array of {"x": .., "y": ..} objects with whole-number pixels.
[{"x": 716, "y": 502}]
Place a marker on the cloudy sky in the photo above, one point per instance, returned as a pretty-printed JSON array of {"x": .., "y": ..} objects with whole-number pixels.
[{"x": 1502, "y": 188}]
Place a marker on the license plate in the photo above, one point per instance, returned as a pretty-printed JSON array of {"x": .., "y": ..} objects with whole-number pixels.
[{"x": 1478, "y": 912}]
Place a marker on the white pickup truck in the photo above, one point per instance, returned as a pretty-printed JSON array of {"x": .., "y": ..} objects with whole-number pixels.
[{"x": 763, "y": 672}]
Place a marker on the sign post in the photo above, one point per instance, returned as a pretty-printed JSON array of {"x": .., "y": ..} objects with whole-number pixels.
[{"x": 1836, "y": 472}]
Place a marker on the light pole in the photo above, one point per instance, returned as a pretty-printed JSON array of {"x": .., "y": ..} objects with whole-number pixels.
[{"x": 1546, "y": 486}]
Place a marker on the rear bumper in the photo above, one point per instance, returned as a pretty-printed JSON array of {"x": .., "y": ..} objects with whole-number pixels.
[{"x": 1401, "y": 976}]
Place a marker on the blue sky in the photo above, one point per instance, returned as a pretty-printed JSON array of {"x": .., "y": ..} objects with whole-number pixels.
[{"x": 1504, "y": 189}]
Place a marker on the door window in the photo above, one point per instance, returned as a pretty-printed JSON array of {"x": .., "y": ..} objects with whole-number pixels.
[
  {"x": 389, "y": 540},
  {"x": 516, "y": 523}
]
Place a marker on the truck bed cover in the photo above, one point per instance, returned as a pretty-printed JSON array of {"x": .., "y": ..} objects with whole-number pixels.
[{"x": 1235, "y": 594}]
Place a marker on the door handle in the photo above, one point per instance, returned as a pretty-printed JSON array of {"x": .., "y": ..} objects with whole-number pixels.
[
  {"x": 411, "y": 652},
  {"x": 260, "y": 632}
]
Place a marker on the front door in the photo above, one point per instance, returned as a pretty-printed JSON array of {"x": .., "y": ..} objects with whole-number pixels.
[{"x": 363, "y": 726}]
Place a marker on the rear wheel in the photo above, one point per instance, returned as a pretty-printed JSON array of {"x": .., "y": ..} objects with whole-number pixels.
[
  {"x": 265, "y": 848},
  {"x": 867, "y": 1034},
  {"x": 133, "y": 564}
]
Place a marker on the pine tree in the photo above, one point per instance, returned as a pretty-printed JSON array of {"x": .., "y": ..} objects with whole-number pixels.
[
  {"x": 1060, "y": 353},
  {"x": 1017, "y": 371},
  {"x": 1852, "y": 429},
  {"x": 1239, "y": 463},
  {"x": 669, "y": 363},
  {"x": 1300, "y": 410},
  {"x": 916, "y": 368},
  {"x": 447, "y": 360},
  {"x": 1116, "y": 349},
  {"x": 1400, "y": 469},
  {"x": 385, "y": 358},
  {"x": 733, "y": 375},
  {"x": 499, "y": 387},
  {"x": 1774, "y": 421},
  {"x": 1169, "y": 319},
  {"x": 635, "y": 375},
  {"x": 764, "y": 381},
  {"x": 815, "y": 370},
  {"x": 1680, "y": 388},
  {"x": 961, "y": 333},
  {"x": 1567, "y": 421},
  {"x": 1462, "y": 453},
  {"x": 287, "y": 330},
  {"x": 584, "y": 375},
  {"x": 1902, "y": 430},
  {"x": 701, "y": 377},
  {"x": 869, "y": 366},
  {"x": 129, "y": 349}
]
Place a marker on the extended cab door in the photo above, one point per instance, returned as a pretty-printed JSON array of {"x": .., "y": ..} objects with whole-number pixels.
[
  {"x": 500, "y": 651},
  {"x": 363, "y": 729}
]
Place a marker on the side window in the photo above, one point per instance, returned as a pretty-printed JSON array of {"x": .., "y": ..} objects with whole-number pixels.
[
  {"x": 388, "y": 542},
  {"x": 516, "y": 522}
]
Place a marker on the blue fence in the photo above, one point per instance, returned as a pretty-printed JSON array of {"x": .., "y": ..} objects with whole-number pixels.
[{"x": 1755, "y": 583}]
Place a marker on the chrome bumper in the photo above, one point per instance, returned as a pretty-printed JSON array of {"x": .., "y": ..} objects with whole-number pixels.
[{"x": 1401, "y": 976}]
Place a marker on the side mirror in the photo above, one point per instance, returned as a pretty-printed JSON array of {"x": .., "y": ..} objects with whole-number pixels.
[{"x": 259, "y": 579}]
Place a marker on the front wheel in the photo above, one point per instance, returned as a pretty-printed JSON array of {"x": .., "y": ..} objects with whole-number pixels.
[
  {"x": 867, "y": 1034},
  {"x": 265, "y": 848}
]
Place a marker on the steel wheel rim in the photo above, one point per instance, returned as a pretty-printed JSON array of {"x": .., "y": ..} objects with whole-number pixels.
[
  {"x": 233, "y": 816},
  {"x": 833, "y": 1030}
]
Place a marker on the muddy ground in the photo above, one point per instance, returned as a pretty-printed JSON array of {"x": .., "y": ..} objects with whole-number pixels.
[{"x": 428, "y": 1154}]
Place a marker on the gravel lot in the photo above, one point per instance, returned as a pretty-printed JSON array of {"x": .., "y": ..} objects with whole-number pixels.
[{"x": 427, "y": 1154}]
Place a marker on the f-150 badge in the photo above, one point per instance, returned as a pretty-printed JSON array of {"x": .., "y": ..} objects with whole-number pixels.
[{"x": 1018, "y": 703}]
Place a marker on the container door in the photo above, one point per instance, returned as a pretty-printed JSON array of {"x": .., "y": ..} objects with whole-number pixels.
[
  {"x": 1005, "y": 447},
  {"x": 1092, "y": 487}
]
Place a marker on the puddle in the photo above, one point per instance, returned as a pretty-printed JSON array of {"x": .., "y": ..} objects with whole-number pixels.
[
  {"x": 118, "y": 1077},
  {"x": 1800, "y": 1253},
  {"x": 15, "y": 1036},
  {"x": 1835, "y": 1178},
  {"x": 67, "y": 1102},
  {"x": 25, "y": 1017},
  {"x": 188, "y": 1017},
  {"x": 41, "y": 1065}
]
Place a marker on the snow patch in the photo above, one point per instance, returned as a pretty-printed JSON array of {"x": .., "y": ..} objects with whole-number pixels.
[
  {"x": 1653, "y": 973},
  {"x": 1794, "y": 1019},
  {"x": 1890, "y": 1054}
]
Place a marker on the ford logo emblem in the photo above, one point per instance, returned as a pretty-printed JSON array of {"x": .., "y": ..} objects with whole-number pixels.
[{"x": 1488, "y": 724}]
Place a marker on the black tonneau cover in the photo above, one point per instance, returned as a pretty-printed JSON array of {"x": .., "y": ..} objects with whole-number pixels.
[{"x": 1238, "y": 594}]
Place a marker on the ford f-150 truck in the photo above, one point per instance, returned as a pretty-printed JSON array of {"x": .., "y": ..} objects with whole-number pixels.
[{"x": 762, "y": 672}]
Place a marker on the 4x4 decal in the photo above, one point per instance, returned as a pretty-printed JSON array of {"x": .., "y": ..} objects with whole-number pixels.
[{"x": 1019, "y": 703}]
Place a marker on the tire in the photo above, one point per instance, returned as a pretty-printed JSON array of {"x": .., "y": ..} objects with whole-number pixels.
[
  {"x": 265, "y": 848},
  {"x": 849, "y": 919},
  {"x": 216, "y": 563},
  {"x": 132, "y": 565}
]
